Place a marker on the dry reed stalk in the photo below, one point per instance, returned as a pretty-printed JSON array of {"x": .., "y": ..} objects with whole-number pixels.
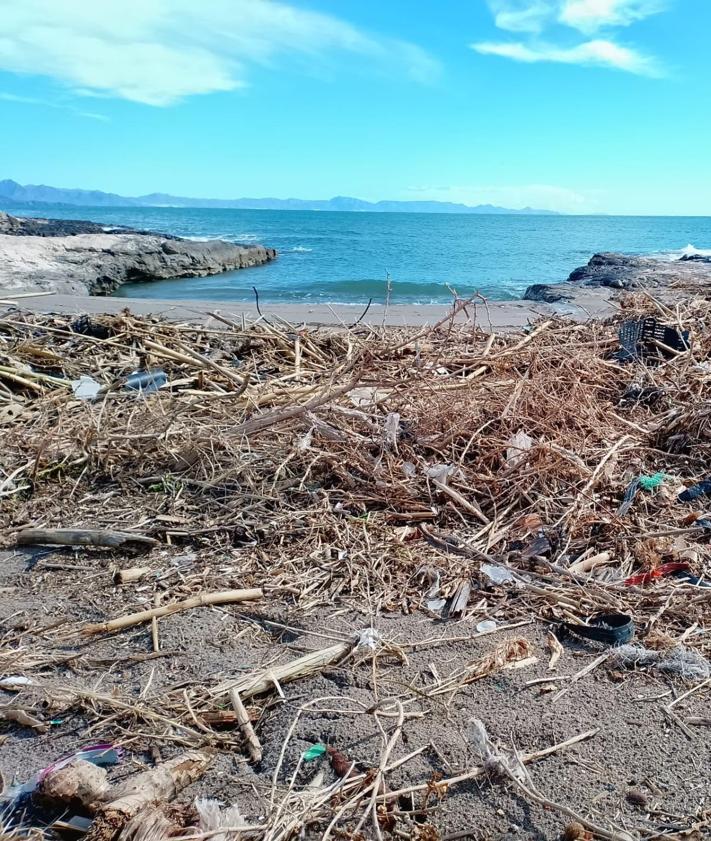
[
  {"x": 203, "y": 600},
  {"x": 262, "y": 681},
  {"x": 511, "y": 651}
]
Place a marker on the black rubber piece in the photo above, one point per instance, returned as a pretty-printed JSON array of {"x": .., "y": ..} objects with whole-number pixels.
[
  {"x": 695, "y": 491},
  {"x": 610, "y": 628},
  {"x": 695, "y": 580}
]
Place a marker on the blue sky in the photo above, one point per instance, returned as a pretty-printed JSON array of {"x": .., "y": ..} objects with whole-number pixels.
[{"x": 571, "y": 105}]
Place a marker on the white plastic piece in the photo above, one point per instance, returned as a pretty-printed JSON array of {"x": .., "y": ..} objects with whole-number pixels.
[{"x": 86, "y": 388}]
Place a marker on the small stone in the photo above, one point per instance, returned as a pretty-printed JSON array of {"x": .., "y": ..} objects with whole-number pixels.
[
  {"x": 637, "y": 797},
  {"x": 576, "y": 832}
]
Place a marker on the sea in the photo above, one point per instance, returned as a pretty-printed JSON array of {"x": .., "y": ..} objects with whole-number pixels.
[{"x": 351, "y": 257}]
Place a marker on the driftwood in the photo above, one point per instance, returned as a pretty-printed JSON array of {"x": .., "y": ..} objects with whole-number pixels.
[
  {"x": 157, "y": 786},
  {"x": 128, "y": 576},
  {"x": 83, "y": 537},
  {"x": 223, "y": 597}
]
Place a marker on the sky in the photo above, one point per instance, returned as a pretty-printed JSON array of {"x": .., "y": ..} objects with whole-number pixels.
[{"x": 579, "y": 106}]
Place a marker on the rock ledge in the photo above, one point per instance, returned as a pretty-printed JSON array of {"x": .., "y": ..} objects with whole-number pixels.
[{"x": 53, "y": 255}]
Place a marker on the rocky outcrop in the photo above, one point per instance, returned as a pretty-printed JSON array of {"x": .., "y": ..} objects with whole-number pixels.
[
  {"x": 614, "y": 272},
  {"x": 87, "y": 258}
]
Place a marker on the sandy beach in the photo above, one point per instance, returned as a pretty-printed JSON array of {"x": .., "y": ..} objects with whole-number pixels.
[{"x": 497, "y": 315}]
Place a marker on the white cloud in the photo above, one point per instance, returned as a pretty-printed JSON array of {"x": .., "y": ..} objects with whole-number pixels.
[
  {"x": 522, "y": 15},
  {"x": 157, "y": 52},
  {"x": 536, "y": 17},
  {"x": 590, "y": 15},
  {"x": 584, "y": 15},
  {"x": 599, "y": 52}
]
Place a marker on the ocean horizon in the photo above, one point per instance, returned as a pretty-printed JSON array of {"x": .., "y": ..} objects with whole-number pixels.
[{"x": 409, "y": 258}]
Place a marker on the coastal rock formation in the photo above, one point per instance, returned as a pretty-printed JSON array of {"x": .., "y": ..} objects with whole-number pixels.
[
  {"x": 87, "y": 258},
  {"x": 624, "y": 272}
]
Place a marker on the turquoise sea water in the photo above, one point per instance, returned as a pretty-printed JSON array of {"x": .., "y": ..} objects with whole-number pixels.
[{"x": 346, "y": 257}]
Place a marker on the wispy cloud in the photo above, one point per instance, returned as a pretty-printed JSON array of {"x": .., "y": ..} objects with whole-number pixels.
[
  {"x": 156, "y": 53},
  {"x": 592, "y": 15},
  {"x": 46, "y": 103},
  {"x": 598, "y": 52},
  {"x": 538, "y": 17}
]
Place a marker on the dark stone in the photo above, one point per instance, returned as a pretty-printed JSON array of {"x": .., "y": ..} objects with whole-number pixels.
[{"x": 547, "y": 294}]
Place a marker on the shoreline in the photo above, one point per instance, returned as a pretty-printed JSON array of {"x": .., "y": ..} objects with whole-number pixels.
[
  {"x": 72, "y": 266},
  {"x": 494, "y": 315}
]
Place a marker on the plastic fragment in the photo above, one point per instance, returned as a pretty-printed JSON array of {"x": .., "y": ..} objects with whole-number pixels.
[
  {"x": 486, "y": 626},
  {"x": 146, "y": 381},
  {"x": 645, "y": 483},
  {"x": 650, "y": 483},
  {"x": 102, "y": 754},
  {"x": 499, "y": 575},
  {"x": 643, "y": 337},
  {"x": 440, "y": 472},
  {"x": 12, "y": 683},
  {"x": 314, "y": 752},
  {"x": 611, "y": 628},
  {"x": 660, "y": 572},
  {"x": 517, "y": 448},
  {"x": 86, "y": 388},
  {"x": 368, "y": 638},
  {"x": 695, "y": 491}
]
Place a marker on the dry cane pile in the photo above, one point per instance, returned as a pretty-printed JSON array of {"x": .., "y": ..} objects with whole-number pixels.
[{"x": 283, "y": 476}]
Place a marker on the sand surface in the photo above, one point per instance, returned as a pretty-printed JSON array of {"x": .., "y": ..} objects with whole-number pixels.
[{"x": 499, "y": 315}]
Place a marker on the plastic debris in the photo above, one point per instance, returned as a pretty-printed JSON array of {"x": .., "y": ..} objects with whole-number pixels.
[
  {"x": 679, "y": 660},
  {"x": 314, "y": 752},
  {"x": 432, "y": 599},
  {"x": 646, "y": 336},
  {"x": 102, "y": 754},
  {"x": 146, "y": 382},
  {"x": 486, "y": 626},
  {"x": 651, "y": 483},
  {"x": 517, "y": 448},
  {"x": 13, "y": 683},
  {"x": 660, "y": 572},
  {"x": 499, "y": 575},
  {"x": 610, "y": 628},
  {"x": 369, "y": 638},
  {"x": 214, "y": 817},
  {"x": 391, "y": 430},
  {"x": 86, "y": 388},
  {"x": 440, "y": 472},
  {"x": 645, "y": 483},
  {"x": 695, "y": 491}
]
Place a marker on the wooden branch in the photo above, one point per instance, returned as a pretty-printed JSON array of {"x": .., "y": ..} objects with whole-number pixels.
[
  {"x": 223, "y": 597},
  {"x": 254, "y": 747},
  {"x": 159, "y": 785},
  {"x": 82, "y": 537}
]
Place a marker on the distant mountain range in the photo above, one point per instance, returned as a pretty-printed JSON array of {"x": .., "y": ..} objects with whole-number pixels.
[{"x": 12, "y": 194}]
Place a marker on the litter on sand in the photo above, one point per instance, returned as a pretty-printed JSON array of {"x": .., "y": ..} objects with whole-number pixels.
[{"x": 352, "y": 542}]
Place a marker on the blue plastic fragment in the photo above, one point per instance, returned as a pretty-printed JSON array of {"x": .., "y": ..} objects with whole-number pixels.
[{"x": 146, "y": 381}]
